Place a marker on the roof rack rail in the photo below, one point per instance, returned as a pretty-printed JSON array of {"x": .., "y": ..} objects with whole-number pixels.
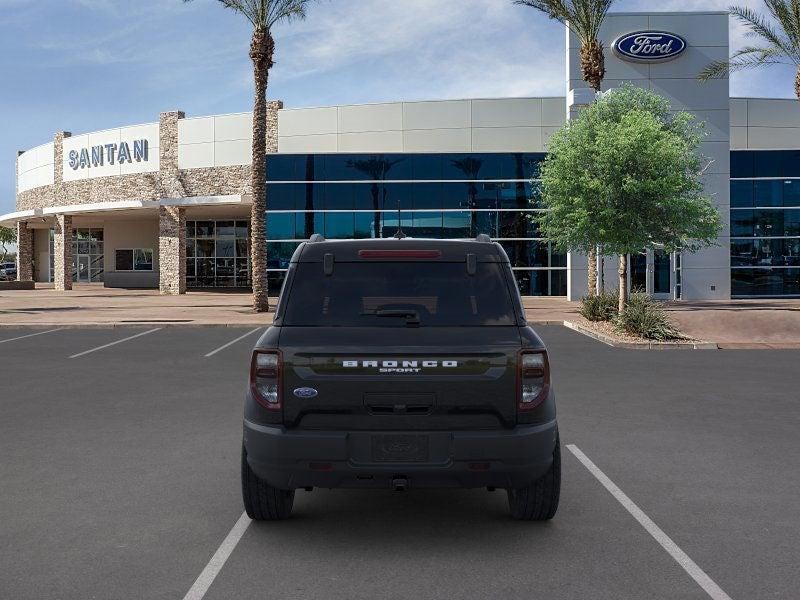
[
  {"x": 316, "y": 237},
  {"x": 482, "y": 237}
]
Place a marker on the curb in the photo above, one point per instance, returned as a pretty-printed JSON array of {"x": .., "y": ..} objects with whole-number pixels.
[
  {"x": 116, "y": 324},
  {"x": 640, "y": 345}
]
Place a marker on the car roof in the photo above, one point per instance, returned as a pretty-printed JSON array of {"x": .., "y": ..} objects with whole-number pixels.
[{"x": 450, "y": 250}]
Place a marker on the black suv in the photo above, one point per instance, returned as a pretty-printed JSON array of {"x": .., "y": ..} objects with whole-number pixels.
[{"x": 400, "y": 363}]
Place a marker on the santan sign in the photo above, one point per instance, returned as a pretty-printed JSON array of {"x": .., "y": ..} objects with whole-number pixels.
[
  {"x": 649, "y": 46},
  {"x": 97, "y": 156}
]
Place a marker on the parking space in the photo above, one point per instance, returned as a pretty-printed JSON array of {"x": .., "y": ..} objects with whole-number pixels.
[{"x": 120, "y": 480}]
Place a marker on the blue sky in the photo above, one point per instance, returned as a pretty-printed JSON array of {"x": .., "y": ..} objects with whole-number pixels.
[{"x": 84, "y": 65}]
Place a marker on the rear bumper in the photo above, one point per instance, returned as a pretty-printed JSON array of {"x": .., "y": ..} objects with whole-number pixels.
[{"x": 290, "y": 459}]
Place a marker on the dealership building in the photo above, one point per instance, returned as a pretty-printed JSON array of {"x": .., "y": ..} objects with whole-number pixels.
[{"x": 167, "y": 204}]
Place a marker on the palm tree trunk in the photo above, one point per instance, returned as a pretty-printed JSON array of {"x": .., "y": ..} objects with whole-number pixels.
[
  {"x": 797, "y": 84},
  {"x": 261, "y": 52},
  {"x": 623, "y": 282},
  {"x": 593, "y": 70}
]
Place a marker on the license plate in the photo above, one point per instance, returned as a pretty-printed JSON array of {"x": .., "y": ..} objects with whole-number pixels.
[{"x": 399, "y": 448}]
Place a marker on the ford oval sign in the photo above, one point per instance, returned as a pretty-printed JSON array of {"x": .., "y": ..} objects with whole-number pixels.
[
  {"x": 305, "y": 392},
  {"x": 649, "y": 46}
]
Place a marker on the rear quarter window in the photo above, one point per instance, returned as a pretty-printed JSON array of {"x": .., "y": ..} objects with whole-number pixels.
[{"x": 383, "y": 294}]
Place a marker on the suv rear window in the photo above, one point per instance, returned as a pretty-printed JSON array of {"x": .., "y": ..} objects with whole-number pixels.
[{"x": 393, "y": 294}]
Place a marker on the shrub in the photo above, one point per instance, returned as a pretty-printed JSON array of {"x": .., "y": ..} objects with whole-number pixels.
[
  {"x": 602, "y": 307},
  {"x": 644, "y": 317}
]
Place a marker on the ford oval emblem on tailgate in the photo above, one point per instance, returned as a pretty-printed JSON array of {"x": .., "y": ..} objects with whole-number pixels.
[{"x": 305, "y": 392}]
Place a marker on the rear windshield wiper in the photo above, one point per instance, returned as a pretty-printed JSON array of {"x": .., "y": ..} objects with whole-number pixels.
[{"x": 411, "y": 316}]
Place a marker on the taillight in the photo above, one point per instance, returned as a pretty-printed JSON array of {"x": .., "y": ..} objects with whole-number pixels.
[
  {"x": 534, "y": 378},
  {"x": 265, "y": 378}
]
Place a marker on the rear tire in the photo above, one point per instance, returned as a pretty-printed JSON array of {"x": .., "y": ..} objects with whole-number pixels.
[
  {"x": 538, "y": 501},
  {"x": 262, "y": 502}
]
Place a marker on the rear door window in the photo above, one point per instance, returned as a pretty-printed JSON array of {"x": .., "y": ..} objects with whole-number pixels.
[{"x": 393, "y": 294}]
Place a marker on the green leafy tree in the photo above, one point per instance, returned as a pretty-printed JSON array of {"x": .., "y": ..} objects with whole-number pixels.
[
  {"x": 8, "y": 236},
  {"x": 263, "y": 15},
  {"x": 584, "y": 19},
  {"x": 626, "y": 174},
  {"x": 778, "y": 40}
]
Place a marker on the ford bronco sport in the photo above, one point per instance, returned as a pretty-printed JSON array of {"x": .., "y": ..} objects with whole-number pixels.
[{"x": 400, "y": 363}]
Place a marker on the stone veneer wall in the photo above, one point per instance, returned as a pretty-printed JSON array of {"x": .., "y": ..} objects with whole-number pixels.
[
  {"x": 62, "y": 251},
  {"x": 169, "y": 182},
  {"x": 24, "y": 252},
  {"x": 172, "y": 250}
]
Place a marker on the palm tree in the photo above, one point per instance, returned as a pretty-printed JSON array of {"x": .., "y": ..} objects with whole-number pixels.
[
  {"x": 584, "y": 19},
  {"x": 263, "y": 15},
  {"x": 780, "y": 41},
  {"x": 376, "y": 168}
]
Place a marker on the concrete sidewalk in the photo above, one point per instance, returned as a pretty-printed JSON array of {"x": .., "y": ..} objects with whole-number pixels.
[{"x": 734, "y": 324}]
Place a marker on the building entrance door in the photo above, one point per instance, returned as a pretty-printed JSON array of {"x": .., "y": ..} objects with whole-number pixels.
[
  {"x": 83, "y": 269},
  {"x": 651, "y": 272}
]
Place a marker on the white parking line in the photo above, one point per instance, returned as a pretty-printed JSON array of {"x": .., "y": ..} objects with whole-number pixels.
[
  {"x": 214, "y": 566},
  {"x": 22, "y": 337},
  {"x": 115, "y": 343},
  {"x": 232, "y": 342},
  {"x": 695, "y": 572}
]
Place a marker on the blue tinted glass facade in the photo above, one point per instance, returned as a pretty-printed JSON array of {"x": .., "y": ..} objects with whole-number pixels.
[
  {"x": 765, "y": 223},
  {"x": 356, "y": 196}
]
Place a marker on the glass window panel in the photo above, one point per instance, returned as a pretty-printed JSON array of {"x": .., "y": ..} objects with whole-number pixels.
[
  {"x": 526, "y": 166},
  {"x": 434, "y": 195},
  {"x": 205, "y": 267},
  {"x": 397, "y": 193},
  {"x": 279, "y": 254},
  {"x": 426, "y": 166},
  {"x": 123, "y": 260},
  {"x": 390, "y": 220},
  {"x": 557, "y": 259},
  {"x": 283, "y": 196},
  {"x": 280, "y": 226},
  {"x": 307, "y": 224},
  {"x": 143, "y": 260},
  {"x": 226, "y": 248},
  {"x": 275, "y": 281},
  {"x": 454, "y": 195},
  {"x": 339, "y": 196},
  {"x": 768, "y": 163},
  {"x": 514, "y": 225},
  {"x": 742, "y": 223},
  {"x": 791, "y": 192},
  {"x": 457, "y": 225},
  {"x": 487, "y": 222},
  {"x": 367, "y": 196},
  {"x": 742, "y": 164},
  {"x": 242, "y": 248},
  {"x": 365, "y": 225},
  {"x": 204, "y": 229},
  {"x": 768, "y": 193},
  {"x": 225, "y": 267},
  {"x": 533, "y": 283},
  {"x": 205, "y": 248},
  {"x": 190, "y": 272},
  {"x": 339, "y": 226},
  {"x": 539, "y": 254},
  {"x": 226, "y": 228},
  {"x": 242, "y": 268},
  {"x": 768, "y": 223},
  {"x": 190, "y": 229},
  {"x": 790, "y": 165},
  {"x": 243, "y": 229},
  {"x": 425, "y": 224},
  {"x": 791, "y": 222},
  {"x": 340, "y": 167},
  {"x": 558, "y": 282},
  {"x": 464, "y": 166},
  {"x": 741, "y": 194},
  {"x": 283, "y": 167},
  {"x": 83, "y": 247},
  {"x": 765, "y": 282}
]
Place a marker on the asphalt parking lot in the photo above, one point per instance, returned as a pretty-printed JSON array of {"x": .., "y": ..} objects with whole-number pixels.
[{"x": 119, "y": 478}]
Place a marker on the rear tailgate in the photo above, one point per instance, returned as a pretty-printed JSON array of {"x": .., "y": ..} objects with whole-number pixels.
[{"x": 429, "y": 378}]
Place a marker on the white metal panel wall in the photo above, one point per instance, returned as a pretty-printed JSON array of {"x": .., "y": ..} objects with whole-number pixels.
[
  {"x": 215, "y": 141},
  {"x": 706, "y": 275},
  {"x": 87, "y": 141},
  {"x": 35, "y": 167},
  {"x": 765, "y": 124},
  {"x": 484, "y": 125}
]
